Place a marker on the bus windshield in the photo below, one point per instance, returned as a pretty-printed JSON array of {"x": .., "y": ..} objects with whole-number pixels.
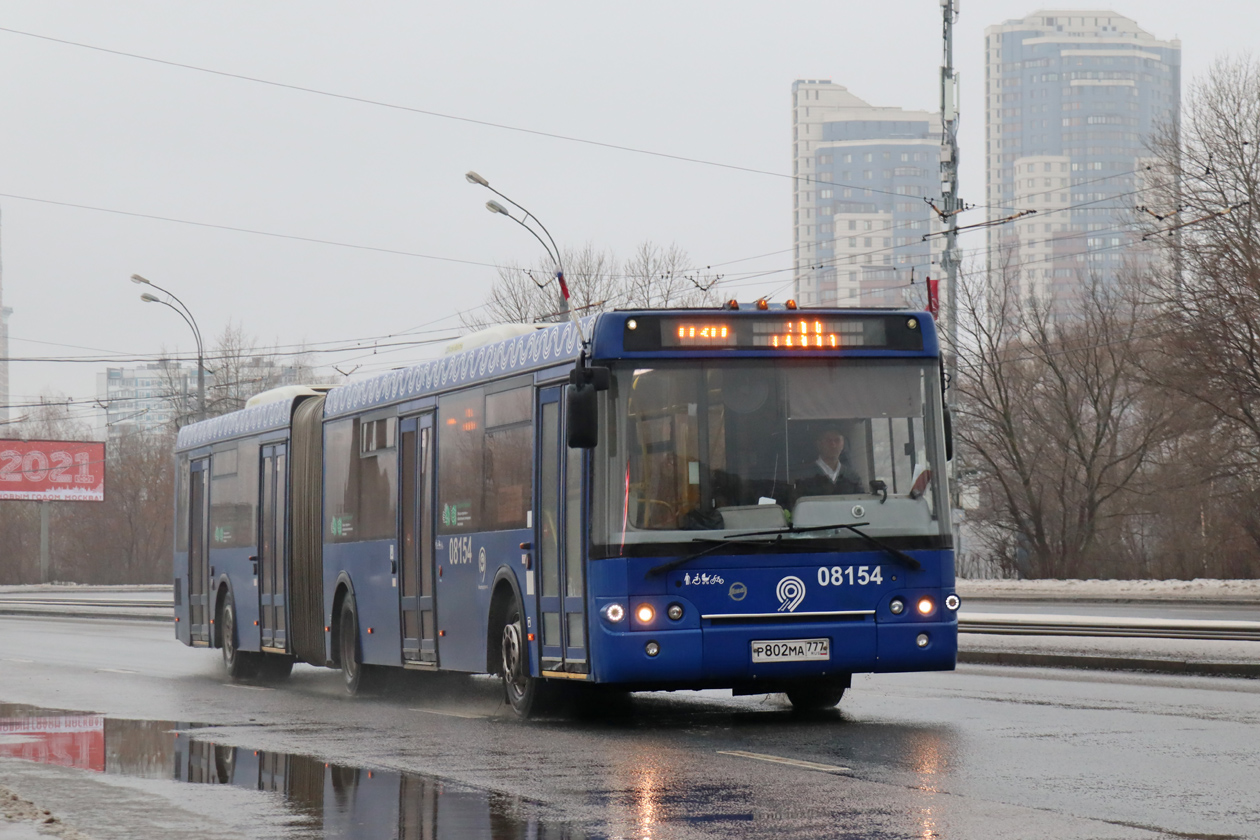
[{"x": 742, "y": 445}]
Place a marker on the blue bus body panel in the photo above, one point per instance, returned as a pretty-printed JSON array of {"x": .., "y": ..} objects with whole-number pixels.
[
  {"x": 367, "y": 565},
  {"x": 467, "y": 565},
  {"x": 234, "y": 566},
  {"x": 712, "y": 642}
]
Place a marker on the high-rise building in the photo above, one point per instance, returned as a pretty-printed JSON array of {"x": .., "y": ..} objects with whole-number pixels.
[
  {"x": 1072, "y": 100},
  {"x": 150, "y": 398},
  {"x": 864, "y": 176}
]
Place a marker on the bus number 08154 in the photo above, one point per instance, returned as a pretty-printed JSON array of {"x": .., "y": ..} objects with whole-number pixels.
[{"x": 839, "y": 575}]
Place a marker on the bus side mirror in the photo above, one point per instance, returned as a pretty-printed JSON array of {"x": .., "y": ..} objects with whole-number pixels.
[
  {"x": 582, "y": 405},
  {"x": 948, "y": 417}
]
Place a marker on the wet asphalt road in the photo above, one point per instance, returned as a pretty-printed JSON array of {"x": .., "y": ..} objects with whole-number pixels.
[{"x": 981, "y": 752}]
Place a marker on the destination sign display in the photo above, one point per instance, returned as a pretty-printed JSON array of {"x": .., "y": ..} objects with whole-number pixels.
[{"x": 796, "y": 332}]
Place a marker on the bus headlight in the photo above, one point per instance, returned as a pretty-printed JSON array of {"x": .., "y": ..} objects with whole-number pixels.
[
  {"x": 926, "y": 606},
  {"x": 613, "y": 613},
  {"x": 645, "y": 613}
]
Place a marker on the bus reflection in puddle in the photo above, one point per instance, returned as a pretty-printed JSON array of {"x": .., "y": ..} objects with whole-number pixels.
[{"x": 330, "y": 800}]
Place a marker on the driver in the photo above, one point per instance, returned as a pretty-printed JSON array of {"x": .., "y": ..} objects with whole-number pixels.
[{"x": 831, "y": 474}]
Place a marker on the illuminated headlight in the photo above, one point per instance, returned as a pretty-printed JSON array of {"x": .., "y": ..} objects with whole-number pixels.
[
  {"x": 613, "y": 613},
  {"x": 897, "y": 606},
  {"x": 674, "y": 612},
  {"x": 651, "y": 648},
  {"x": 952, "y": 602},
  {"x": 926, "y": 607},
  {"x": 645, "y": 613},
  {"x": 921, "y": 640}
]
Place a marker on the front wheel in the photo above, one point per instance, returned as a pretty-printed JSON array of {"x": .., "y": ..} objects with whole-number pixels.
[
  {"x": 239, "y": 664},
  {"x": 525, "y": 694},
  {"x": 813, "y": 698}
]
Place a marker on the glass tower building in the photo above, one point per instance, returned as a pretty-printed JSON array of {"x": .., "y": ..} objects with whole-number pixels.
[{"x": 1072, "y": 102}]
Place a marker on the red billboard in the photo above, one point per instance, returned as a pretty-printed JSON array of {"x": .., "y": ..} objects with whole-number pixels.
[
  {"x": 71, "y": 741},
  {"x": 52, "y": 470}
]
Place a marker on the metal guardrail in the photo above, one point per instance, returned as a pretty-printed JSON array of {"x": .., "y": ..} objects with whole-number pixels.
[{"x": 158, "y": 607}]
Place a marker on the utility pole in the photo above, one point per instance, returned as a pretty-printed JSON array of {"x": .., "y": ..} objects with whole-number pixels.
[{"x": 951, "y": 204}]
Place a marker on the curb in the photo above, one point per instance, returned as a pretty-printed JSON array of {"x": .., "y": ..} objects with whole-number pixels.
[{"x": 1245, "y": 670}]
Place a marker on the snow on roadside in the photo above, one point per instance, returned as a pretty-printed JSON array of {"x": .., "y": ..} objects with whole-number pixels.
[{"x": 1200, "y": 589}]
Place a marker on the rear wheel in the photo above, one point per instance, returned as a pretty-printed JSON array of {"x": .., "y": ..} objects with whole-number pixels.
[
  {"x": 239, "y": 664},
  {"x": 813, "y": 698},
  {"x": 357, "y": 677},
  {"x": 525, "y": 694}
]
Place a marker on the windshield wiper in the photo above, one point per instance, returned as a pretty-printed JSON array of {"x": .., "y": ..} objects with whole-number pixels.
[
  {"x": 900, "y": 556},
  {"x": 717, "y": 543}
]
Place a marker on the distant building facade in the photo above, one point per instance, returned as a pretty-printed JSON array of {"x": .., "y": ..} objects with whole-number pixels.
[
  {"x": 860, "y": 218},
  {"x": 1071, "y": 100},
  {"x": 150, "y": 398}
]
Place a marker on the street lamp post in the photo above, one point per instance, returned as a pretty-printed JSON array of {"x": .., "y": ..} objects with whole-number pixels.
[
  {"x": 187, "y": 315},
  {"x": 553, "y": 251}
]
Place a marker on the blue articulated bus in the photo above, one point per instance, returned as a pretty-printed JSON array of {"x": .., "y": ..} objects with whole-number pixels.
[{"x": 750, "y": 498}]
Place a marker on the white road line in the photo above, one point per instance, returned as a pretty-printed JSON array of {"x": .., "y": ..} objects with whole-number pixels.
[
  {"x": 449, "y": 714},
  {"x": 23, "y": 661},
  {"x": 791, "y": 762},
  {"x": 115, "y": 671},
  {"x": 249, "y": 687}
]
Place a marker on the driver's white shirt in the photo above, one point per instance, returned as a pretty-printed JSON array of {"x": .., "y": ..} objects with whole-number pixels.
[{"x": 832, "y": 474}]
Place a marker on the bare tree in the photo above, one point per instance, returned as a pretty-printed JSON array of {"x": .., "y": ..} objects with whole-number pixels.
[
  {"x": 652, "y": 277},
  {"x": 1058, "y": 423}
]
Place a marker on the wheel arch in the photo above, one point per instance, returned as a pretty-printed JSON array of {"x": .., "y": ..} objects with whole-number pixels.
[
  {"x": 344, "y": 587},
  {"x": 503, "y": 591}
]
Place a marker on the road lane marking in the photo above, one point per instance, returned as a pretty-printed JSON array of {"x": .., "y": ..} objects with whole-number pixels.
[
  {"x": 23, "y": 661},
  {"x": 115, "y": 671},
  {"x": 449, "y": 714},
  {"x": 249, "y": 687},
  {"x": 791, "y": 762}
]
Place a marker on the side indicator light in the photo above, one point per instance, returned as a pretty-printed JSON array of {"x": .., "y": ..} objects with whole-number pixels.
[
  {"x": 441, "y": 632},
  {"x": 369, "y": 631},
  {"x": 327, "y": 629},
  {"x": 529, "y": 636},
  {"x": 255, "y": 623}
]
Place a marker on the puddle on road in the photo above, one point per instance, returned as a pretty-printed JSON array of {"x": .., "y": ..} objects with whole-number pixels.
[{"x": 328, "y": 800}]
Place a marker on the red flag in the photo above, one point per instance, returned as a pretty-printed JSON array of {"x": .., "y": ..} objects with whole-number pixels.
[{"x": 934, "y": 297}]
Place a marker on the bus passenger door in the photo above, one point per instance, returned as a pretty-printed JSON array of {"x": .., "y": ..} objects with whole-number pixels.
[
  {"x": 415, "y": 575},
  {"x": 272, "y": 547},
  {"x": 198, "y": 553},
  {"x": 558, "y": 531}
]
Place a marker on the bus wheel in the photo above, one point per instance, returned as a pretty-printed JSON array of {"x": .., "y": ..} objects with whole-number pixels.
[
  {"x": 357, "y": 677},
  {"x": 812, "y": 698},
  {"x": 519, "y": 689},
  {"x": 239, "y": 664}
]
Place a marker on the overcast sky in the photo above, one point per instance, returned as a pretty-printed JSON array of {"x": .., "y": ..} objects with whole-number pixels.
[{"x": 703, "y": 80}]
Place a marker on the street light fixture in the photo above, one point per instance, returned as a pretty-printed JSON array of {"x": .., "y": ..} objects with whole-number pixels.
[
  {"x": 183, "y": 312},
  {"x": 553, "y": 251}
]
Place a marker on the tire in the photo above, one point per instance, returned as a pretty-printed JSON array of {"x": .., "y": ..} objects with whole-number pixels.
[
  {"x": 815, "y": 698},
  {"x": 240, "y": 665},
  {"x": 357, "y": 677},
  {"x": 525, "y": 694}
]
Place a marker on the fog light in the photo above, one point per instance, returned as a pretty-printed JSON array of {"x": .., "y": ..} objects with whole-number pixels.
[
  {"x": 897, "y": 606},
  {"x": 674, "y": 612},
  {"x": 921, "y": 640},
  {"x": 926, "y": 606},
  {"x": 645, "y": 613},
  {"x": 652, "y": 648},
  {"x": 952, "y": 602},
  {"x": 614, "y": 613}
]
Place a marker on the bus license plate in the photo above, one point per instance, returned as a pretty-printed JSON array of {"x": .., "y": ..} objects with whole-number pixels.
[{"x": 792, "y": 650}]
